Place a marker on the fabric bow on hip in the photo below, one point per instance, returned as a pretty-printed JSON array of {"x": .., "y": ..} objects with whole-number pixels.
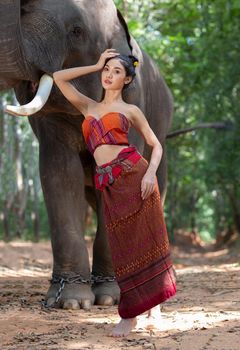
[{"x": 102, "y": 171}]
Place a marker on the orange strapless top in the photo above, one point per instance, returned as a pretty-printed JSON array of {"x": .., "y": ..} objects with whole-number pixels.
[{"x": 110, "y": 129}]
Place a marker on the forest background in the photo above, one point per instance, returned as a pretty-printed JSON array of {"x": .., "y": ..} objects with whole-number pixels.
[{"x": 197, "y": 48}]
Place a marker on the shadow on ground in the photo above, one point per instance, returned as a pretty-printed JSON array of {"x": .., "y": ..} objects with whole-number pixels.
[{"x": 204, "y": 315}]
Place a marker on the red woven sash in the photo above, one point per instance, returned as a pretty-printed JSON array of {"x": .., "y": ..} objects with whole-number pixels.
[{"x": 108, "y": 172}]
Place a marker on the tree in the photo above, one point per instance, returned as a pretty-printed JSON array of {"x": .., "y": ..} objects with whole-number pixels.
[{"x": 196, "y": 46}]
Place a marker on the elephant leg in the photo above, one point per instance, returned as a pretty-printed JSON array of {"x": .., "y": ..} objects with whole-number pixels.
[
  {"x": 62, "y": 181},
  {"x": 106, "y": 292}
]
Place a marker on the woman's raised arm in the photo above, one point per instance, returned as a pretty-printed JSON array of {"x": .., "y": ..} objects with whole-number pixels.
[
  {"x": 63, "y": 77},
  {"x": 62, "y": 80}
]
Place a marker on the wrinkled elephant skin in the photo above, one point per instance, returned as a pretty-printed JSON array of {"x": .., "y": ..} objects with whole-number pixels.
[{"x": 58, "y": 34}]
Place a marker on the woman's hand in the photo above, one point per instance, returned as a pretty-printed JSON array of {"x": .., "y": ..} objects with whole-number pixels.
[
  {"x": 147, "y": 184},
  {"x": 109, "y": 53}
]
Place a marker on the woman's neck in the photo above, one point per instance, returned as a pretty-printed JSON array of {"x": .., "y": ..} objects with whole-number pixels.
[{"x": 112, "y": 97}]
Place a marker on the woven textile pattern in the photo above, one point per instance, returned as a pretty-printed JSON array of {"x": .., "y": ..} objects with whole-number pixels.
[
  {"x": 111, "y": 129},
  {"x": 138, "y": 239}
]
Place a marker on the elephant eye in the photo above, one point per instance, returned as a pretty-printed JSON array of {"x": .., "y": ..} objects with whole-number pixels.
[{"x": 77, "y": 31}]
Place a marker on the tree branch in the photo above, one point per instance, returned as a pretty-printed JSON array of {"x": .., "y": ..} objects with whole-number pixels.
[{"x": 227, "y": 126}]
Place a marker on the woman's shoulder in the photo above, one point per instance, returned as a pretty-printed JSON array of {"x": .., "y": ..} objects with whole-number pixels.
[
  {"x": 136, "y": 115},
  {"x": 134, "y": 111}
]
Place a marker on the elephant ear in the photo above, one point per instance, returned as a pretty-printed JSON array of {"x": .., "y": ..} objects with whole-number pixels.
[
  {"x": 131, "y": 94},
  {"x": 131, "y": 42},
  {"x": 24, "y": 2},
  {"x": 125, "y": 27}
]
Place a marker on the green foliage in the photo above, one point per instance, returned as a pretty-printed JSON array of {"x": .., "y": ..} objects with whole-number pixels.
[
  {"x": 19, "y": 175},
  {"x": 196, "y": 46}
]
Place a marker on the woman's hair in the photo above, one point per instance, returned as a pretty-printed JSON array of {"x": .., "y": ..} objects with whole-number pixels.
[{"x": 129, "y": 62}]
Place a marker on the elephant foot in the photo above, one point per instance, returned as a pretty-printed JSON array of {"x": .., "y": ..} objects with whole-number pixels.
[
  {"x": 106, "y": 293},
  {"x": 73, "y": 296}
]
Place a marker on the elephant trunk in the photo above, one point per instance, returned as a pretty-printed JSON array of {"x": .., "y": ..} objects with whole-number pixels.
[{"x": 13, "y": 64}]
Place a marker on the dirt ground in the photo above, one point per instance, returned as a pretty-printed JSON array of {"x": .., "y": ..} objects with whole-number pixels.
[{"x": 204, "y": 315}]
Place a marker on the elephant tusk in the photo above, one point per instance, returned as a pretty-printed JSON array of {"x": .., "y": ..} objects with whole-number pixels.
[{"x": 41, "y": 97}]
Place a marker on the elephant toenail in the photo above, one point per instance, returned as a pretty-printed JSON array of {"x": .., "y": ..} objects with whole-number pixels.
[
  {"x": 106, "y": 300},
  {"x": 71, "y": 304},
  {"x": 86, "y": 304},
  {"x": 50, "y": 302}
]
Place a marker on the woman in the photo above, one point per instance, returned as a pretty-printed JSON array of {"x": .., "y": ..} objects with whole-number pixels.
[{"x": 132, "y": 209}]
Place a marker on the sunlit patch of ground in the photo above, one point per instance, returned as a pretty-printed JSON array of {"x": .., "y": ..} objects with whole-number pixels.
[{"x": 204, "y": 315}]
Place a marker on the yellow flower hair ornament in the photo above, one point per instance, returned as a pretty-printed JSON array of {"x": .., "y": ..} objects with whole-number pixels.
[{"x": 136, "y": 63}]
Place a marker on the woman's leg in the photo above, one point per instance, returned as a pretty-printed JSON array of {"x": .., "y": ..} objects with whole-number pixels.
[
  {"x": 154, "y": 318},
  {"x": 155, "y": 312}
]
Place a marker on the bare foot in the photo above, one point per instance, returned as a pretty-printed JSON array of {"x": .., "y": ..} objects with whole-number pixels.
[
  {"x": 154, "y": 318},
  {"x": 124, "y": 327}
]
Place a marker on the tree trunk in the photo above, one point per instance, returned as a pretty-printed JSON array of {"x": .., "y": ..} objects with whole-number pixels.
[
  {"x": 35, "y": 212},
  {"x": 7, "y": 208},
  {"x": 1, "y": 131},
  {"x": 6, "y": 232},
  {"x": 21, "y": 185},
  {"x": 234, "y": 202}
]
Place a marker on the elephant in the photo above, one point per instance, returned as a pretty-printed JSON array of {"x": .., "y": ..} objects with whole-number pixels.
[{"x": 39, "y": 37}]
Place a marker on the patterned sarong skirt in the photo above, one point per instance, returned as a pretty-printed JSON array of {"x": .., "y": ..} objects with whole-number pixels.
[{"x": 136, "y": 233}]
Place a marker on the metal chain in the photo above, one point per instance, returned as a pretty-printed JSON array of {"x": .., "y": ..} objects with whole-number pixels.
[
  {"x": 101, "y": 279},
  {"x": 70, "y": 280},
  {"x": 75, "y": 279},
  {"x": 59, "y": 292}
]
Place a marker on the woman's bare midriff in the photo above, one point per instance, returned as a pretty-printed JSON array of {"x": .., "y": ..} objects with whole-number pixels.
[{"x": 106, "y": 153}]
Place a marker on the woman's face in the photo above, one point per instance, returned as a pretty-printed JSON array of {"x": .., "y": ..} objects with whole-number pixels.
[{"x": 114, "y": 75}]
